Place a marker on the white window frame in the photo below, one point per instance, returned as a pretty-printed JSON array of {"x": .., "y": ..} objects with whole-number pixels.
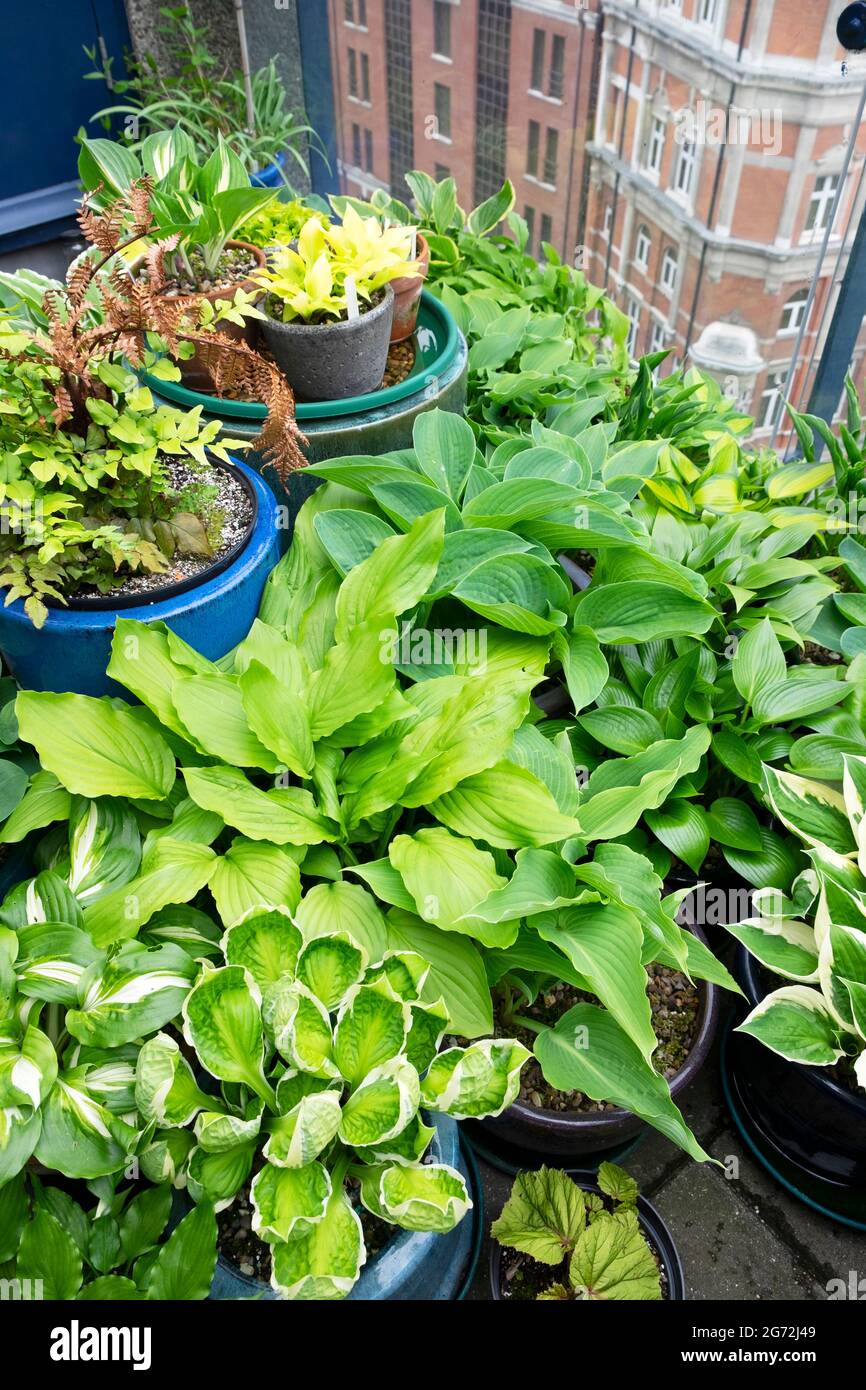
[
  {"x": 772, "y": 398},
  {"x": 707, "y": 12},
  {"x": 684, "y": 172},
  {"x": 821, "y": 199},
  {"x": 655, "y": 152},
  {"x": 608, "y": 219},
  {"x": 642, "y": 246},
  {"x": 632, "y": 313},
  {"x": 659, "y": 336},
  {"x": 669, "y": 273},
  {"x": 796, "y": 304}
]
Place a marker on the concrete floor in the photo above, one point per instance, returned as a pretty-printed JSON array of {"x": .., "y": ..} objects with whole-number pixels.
[{"x": 740, "y": 1238}]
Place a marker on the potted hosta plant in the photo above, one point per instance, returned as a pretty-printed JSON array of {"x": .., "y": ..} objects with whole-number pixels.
[
  {"x": 109, "y": 500},
  {"x": 563, "y": 1240},
  {"x": 407, "y": 293},
  {"x": 330, "y": 307},
  {"x": 798, "y": 1060}
]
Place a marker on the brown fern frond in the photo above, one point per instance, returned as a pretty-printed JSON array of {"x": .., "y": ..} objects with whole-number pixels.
[
  {"x": 138, "y": 200},
  {"x": 154, "y": 262},
  {"x": 62, "y": 405},
  {"x": 78, "y": 279}
]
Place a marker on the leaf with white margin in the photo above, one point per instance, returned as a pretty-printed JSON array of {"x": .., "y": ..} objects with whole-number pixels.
[
  {"x": 294, "y": 1085},
  {"x": 372, "y": 1027},
  {"x": 217, "y": 1133},
  {"x": 405, "y": 971},
  {"x": 409, "y": 1146},
  {"x": 344, "y": 909},
  {"x": 842, "y": 957},
  {"x": 449, "y": 876},
  {"x": 329, "y": 966},
  {"x": 476, "y": 1081},
  {"x": 418, "y": 1197},
  {"x": 165, "y": 1088},
  {"x": 796, "y": 1023},
  {"x": 165, "y": 1158},
  {"x": 300, "y": 1135},
  {"x": 326, "y": 1263},
  {"x": 81, "y": 1138},
  {"x": 51, "y": 959},
  {"x": 783, "y": 944},
  {"x": 183, "y": 926},
  {"x": 254, "y": 875},
  {"x": 133, "y": 994},
  {"x": 28, "y": 1069},
  {"x": 300, "y": 1026},
  {"x": 223, "y": 1022},
  {"x": 266, "y": 942},
  {"x": 382, "y": 1105},
  {"x": 104, "y": 847},
  {"x": 20, "y": 1127},
  {"x": 811, "y": 810},
  {"x": 854, "y": 792},
  {"x": 287, "y": 1202},
  {"x": 219, "y": 1177}
]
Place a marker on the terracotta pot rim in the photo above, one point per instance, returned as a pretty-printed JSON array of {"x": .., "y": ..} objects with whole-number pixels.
[
  {"x": 224, "y": 291},
  {"x": 404, "y": 283}
]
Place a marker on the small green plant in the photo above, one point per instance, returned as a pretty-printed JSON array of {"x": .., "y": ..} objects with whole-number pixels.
[
  {"x": 280, "y": 223},
  {"x": 592, "y": 1242}
]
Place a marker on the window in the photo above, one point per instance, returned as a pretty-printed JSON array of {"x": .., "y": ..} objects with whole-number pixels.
[
  {"x": 365, "y": 77},
  {"x": 353, "y": 73},
  {"x": 658, "y": 337},
  {"x": 821, "y": 203},
  {"x": 771, "y": 400},
  {"x": 442, "y": 103},
  {"x": 794, "y": 312},
  {"x": 442, "y": 28},
  {"x": 532, "y": 144},
  {"x": 356, "y": 144},
  {"x": 362, "y": 14},
  {"x": 669, "y": 271},
  {"x": 642, "y": 245},
  {"x": 546, "y": 227},
  {"x": 551, "y": 152},
  {"x": 656, "y": 147},
  {"x": 441, "y": 171},
  {"x": 539, "y": 39},
  {"x": 632, "y": 313},
  {"x": 608, "y": 219},
  {"x": 368, "y": 151},
  {"x": 557, "y": 68},
  {"x": 350, "y": 11},
  {"x": 529, "y": 219},
  {"x": 685, "y": 168},
  {"x": 708, "y": 11}
]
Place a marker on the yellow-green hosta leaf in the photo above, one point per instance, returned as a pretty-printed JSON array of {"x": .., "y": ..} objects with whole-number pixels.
[
  {"x": 541, "y": 882},
  {"x": 456, "y": 974},
  {"x": 278, "y": 716},
  {"x": 266, "y": 942},
  {"x": 371, "y": 1029},
  {"x": 416, "y": 1196},
  {"x": 282, "y": 816},
  {"x": 136, "y": 992},
  {"x": 447, "y": 877},
  {"x": 93, "y": 748},
  {"x": 324, "y": 1263},
  {"x": 507, "y": 806},
  {"x": 329, "y": 966},
  {"x": 172, "y": 872},
  {"x": 344, "y": 909},
  {"x": 475, "y": 1081},
  {"x": 165, "y": 1088},
  {"x": 288, "y": 1201},
  {"x": 796, "y": 1022},
  {"x": 300, "y": 1135},
  {"x": 44, "y": 801},
  {"x": 217, "y": 1133},
  {"x": 218, "y": 1178},
  {"x": 357, "y": 675},
  {"x": 784, "y": 945},
  {"x": 300, "y": 1027},
  {"x": 812, "y": 810},
  {"x": 211, "y": 709},
  {"x": 629, "y": 879},
  {"x": 543, "y": 1217},
  {"x": 147, "y": 658},
  {"x": 394, "y": 578},
  {"x": 251, "y": 875},
  {"x": 795, "y": 479},
  {"x": 223, "y": 1022},
  {"x": 612, "y": 1260},
  {"x": 164, "y": 1159},
  {"x": 383, "y": 1105}
]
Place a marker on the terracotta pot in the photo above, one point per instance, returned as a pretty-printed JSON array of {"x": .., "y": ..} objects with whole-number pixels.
[
  {"x": 193, "y": 373},
  {"x": 407, "y": 295}
]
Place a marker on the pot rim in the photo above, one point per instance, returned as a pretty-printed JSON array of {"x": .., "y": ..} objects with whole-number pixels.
[
  {"x": 405, "y": 284},
  {"x": 573, "y": 1121},
  {"x": 181, "y": 586},
  {"x": 223, "y": 291},
  {"x": 295, "y": 326}
]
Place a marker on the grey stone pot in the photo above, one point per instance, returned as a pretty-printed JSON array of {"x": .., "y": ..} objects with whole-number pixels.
[{"x": 329, "y": 361}]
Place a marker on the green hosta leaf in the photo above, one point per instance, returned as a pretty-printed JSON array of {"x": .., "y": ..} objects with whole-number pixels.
[
  {"x": 299, "y": 1136},
  {"x": 622, "y": 728},
  {"x": 612, "y": 1260},
  {"x": 783, "y": 944},
  {"x": 300, "y": 1026},
  {"x": 464, "y": 551},
  {"x": 507, "y": 806},
  {"x": 93, "y": 748},
  {"x": 185, "y": 1265},
  {"x": 682, "y": 828},
  {"x": 217, "y": 1178},
  {"x": 251, "y": 875},
  {"x": 284, "y": 815},
  {"x": 394, "y": 578},
  {"x": 605, "y": 944},
  {"x": 14, "y": 1207},
  {"x": 629, "y": 879},
  {"x": 796, "y": 1023},
  {"x": 622, "y": 789},
  {"x": 345, "y": 909},
  {"x": 541, "y": 882},
  {"x": 775, "y": 864},
  {"x": 49, "y": 1254},
  {"x": 812, "y": 810},
  {"x": 350, "y": 536},
  {"x": 111, "y": 1288},
  {"x": 584, "y": 667},
  {"x": 456, "y": 972},
  {"x": 173, "y": 871},
  {"x": 792, "y": 699},
  {"x": 383, "y": 1104},
  {"x": 325, "y": 1262},
  {"x": 588, "y": 1051},
  {"x": 758, "y": 662},
  {"x": 143, "y": 1221},
  {"x": 211, "y": 708},
  {"x": 445, "y": 449},
  {"x": 133, "y": 994},
  {"x": 165, "y": 1088},
  {"x": 265, "y": 942},
  {"x": 329, "y": 966},
  {"x": 642, "y": 611},
  {"x": 519, "y": 592},
  {"x": 472, "y": 1082},
  {"x": 222, "y": 1021},
  {"x": 732, "y": 822},
  {"x": 544, "y": 1216},
  {"x": 418, "y": 1197},
  {"x": 737, "y": 755},
  {"x": 447, "y": 877},
  {"x": 278, "y": 716},
  {"x": 44, "y": 801}
]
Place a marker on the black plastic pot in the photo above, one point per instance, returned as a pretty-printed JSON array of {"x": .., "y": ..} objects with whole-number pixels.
[
  {"x": 575, "y": 1141},
  {"x": 654, "y": 1229},
  {"x": 694, "y": 909},
  {"x": 806, "y": 1129},
  {"x": 329, "y": 361}
]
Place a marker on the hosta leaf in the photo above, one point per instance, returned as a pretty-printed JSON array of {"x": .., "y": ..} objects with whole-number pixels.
[
  {"x": 682, "y": 828},
  {"x": 812, "y": 810},
  {"x": 147, "y": 658},
  {"x": 584, "y": 667},
  {"x": 93, "y": 748},
  {"x": 448, "y": 876},
  {"x": 356, "y": 677},
  {"x": 299, "y": 1136},
  {"x": 173, "y": 871},
  {"x": 506, "y": 806},
  {"x": 371, "y": 1030},
  {"x": 758, "y": 662},
  {"x": 300, "y": 1027},
  {"x": 394, "y": 578},
  {"x": 81, "y": 1138},
  {"x": 382, "y": 1105},
  {"x": 472, "y": 1082},
  {"x": 265, "y": 942},
  {"x": 49, "y": 1254},
  {"x": 44, "y": 801},
  {"x": 222, "y": 1021},
  {"x": 211, "y": 709},
  {"x": 329, "y": 966},
  {"x": 796, "y": 1023},
  {"x": 345, "y": 909},
  {"x": 456, "y": 972},
  {"x": 642, "y": 611},
  {"x": 444, "y": 446},
  {"x": 165, "y": 1088},
  {"x": 541, "y": 882},
  {"x": 252, "y": 875},
  {"x": 325, "y": 1262},
  {"x": 185, "y": 1265},
  {"x": 135, "y": 993},
  {"x": 278, "y": 716},
  {"x": 418, "y": 1197},
  {"x": 283, "y": 815},
  {"x": 782, "y": 944}
]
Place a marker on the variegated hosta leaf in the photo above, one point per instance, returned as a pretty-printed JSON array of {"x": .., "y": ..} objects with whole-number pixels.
[
  {"x": 783, "y": 944},
  {"x": 405, "y": 971},
  {"x": 299, "y": 1136},
  {"x": 266, "y": 942},
  {"x": 418, "y": 1197},
  {"x": 300, "y": 1026},
  {"x": 20, "y": 1127},
  {"x": 383, "y": 1104},
  {"x": 45, "y": 898},
  {"x": 165, "y": 1088},
  {"x": 288, "y": 1201},
  {"x": 184, "y": 926},
  {"x": 842, "y": 959},
  {"x": 429, "y": 1022},
  {"x": 854, "y": 791},
  {"x": 81, "y": 1138},
  {"x": 612, "y": 1260},
  {"x": 133, "y": 994},
  {"x": 28, "y": 1069},
  {"x": 104, "y": 847},
  {"x": 329, "y": 966},
  {"x": 796, "y": 1023},
  {"x": 219, "y": 1177},
  {"x": 372, "y": 1027},
  {"x": 294, "y": 1085},
  {"x": 409, "y": 1146},
  {"x": 111, "y": 1078},
  {"x": 811, "y": 810},
  {"x": 471, "y": 1082},
  {"x": 326, "y": 1262},
  {"x": 223, "y": 1022},
  {"x": 217, "y": 1133},
  {"x": 165, "y": 1158},
  {"x": 51, "y": 959}
]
